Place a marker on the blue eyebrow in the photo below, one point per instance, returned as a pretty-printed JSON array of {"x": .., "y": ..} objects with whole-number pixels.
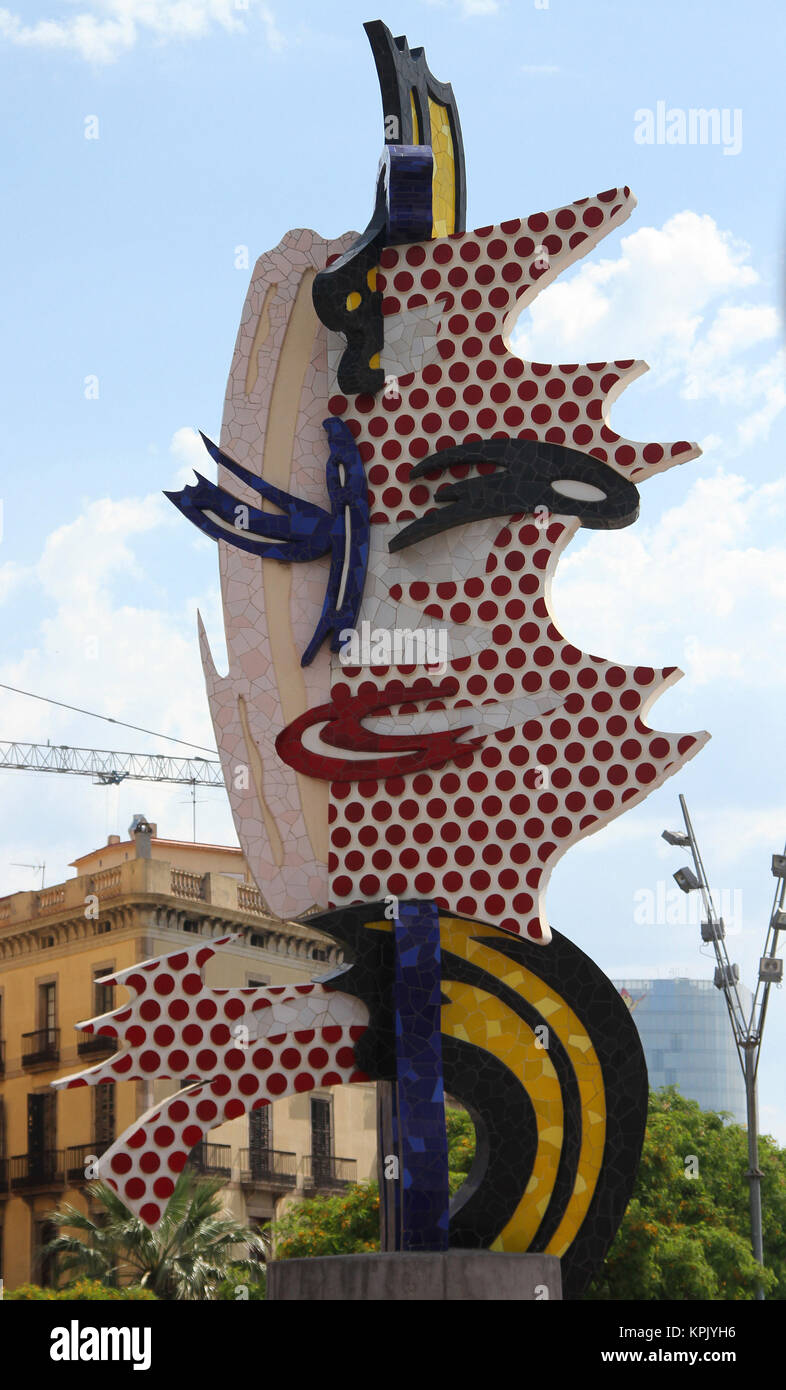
[{"x": 303, "y": 531}]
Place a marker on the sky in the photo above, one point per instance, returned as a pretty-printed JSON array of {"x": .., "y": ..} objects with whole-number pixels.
[{"x": 151, "y": 151}]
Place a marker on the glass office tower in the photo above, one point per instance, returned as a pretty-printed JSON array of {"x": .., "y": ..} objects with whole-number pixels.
[{"x": 687, "y": 1039}]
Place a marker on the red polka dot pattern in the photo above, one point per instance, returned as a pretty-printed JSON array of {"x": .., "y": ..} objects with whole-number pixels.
[
  {"x": 482, "y": 834},
  {"x": 279, "y": 1041}
]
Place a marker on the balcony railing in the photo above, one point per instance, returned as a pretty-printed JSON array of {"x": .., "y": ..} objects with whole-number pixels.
[
  {"x": 268, "y": 1167},
  {"x": 44, "y": 1169},
  {"x": 41, "y": 1046},
  {"x": 187, "y": 885},
  {"x": 93, "y": 1044},
  {"x": 76, "y": 1156},
  {"x": 249, "y": 899},
  {"x": 321, "y": 1170},
  {"x": 211, "y": 1158}
]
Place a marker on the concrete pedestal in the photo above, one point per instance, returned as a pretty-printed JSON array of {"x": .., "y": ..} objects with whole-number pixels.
[{"x": 461, "y": 1275}]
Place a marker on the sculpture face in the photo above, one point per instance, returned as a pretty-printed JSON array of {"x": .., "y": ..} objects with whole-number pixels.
[
  {"x": 489, "y": 771},
  {"x": 409, "y": 743}
]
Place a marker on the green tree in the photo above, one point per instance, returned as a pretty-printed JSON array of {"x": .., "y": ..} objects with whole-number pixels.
[
  {"x": 686, "y": 1233},
  {"x": 347, "y": 1224},
  {"x": 461, "y": 1146},
  {"x": 187, "y": 1257},
  {"x": 240, "y": 1286},
  {"x": 81, "y": 1291}
]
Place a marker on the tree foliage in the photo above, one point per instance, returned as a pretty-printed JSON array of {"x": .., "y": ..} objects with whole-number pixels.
[
  {"x": 80, "y": 1291},
  {"x": 346, "y": 1224},
  {"x": 461, "y": 1146},
  {"x": 683, "y": 1237},
  {"x": 686, "y": 1233},
  {"x": 187, "y": 1257}
]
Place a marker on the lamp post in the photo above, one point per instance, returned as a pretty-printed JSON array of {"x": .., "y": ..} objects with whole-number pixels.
[{"x": 747, "y": 1029}]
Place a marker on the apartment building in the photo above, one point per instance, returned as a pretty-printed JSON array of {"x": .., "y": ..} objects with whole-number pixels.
[{"x": 131, "y": 900}]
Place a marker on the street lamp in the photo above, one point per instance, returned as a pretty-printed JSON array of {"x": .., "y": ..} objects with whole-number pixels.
[
  {"x": 686, "y": 880},
  {"x": 747, "y": 1029},
  {"x": 676, "y": 837}
]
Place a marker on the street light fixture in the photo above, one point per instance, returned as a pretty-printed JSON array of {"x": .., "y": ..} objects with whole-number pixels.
[
  {"x": 676, "y": 837},
  {"x": 747, "y": 1028},
  {"x": 686, "y": 880}
]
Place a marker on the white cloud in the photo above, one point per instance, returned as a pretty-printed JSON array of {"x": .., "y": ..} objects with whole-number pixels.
[
  {"x": 108, "y": 28},
  {"x": 188, "y": 449},
  {"x": 94, "y": 628},
  {"x": 694, "y": 590},
  {"x": 671, "y": 297}
]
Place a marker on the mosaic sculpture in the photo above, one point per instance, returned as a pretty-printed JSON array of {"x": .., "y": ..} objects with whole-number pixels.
[{"x": 388, "y": 464}]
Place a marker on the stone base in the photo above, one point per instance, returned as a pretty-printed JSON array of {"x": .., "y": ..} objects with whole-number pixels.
[{"x": 468, "y": 1275}]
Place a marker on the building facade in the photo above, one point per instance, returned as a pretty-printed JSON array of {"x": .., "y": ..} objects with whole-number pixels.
[
  {"x": 687, "y": 1039},
  {"x": 129, "y": 901}
]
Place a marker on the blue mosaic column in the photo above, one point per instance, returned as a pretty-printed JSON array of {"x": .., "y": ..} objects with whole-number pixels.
[{"x": 419, "y": 1111}]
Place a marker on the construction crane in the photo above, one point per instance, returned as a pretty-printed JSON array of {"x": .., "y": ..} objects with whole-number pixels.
[{"x": 110, "y": 768}]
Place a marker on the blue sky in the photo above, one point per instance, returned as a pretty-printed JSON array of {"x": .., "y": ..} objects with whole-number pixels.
[{"x": 222, "y": 125}]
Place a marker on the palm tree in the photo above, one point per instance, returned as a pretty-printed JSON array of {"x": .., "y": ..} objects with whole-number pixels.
[{"x": 185, "y": 1258}]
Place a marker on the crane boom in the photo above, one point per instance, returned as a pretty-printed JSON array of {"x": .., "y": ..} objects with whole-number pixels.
[{"x": 109, "y": 767}]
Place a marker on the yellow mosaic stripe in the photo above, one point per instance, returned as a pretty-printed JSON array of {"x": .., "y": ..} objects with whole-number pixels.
[
  {"x": 479, "y": 1018},
  {"x": 443, "y": 183},
  {"x": 456, "y": 936}
]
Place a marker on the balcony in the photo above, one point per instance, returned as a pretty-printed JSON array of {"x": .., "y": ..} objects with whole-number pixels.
[
  {"x": 41, "y": 1048},
  {"x": 268, "y": 1168},
  {"x": 2, "y": 1057},
  {"x": 45, "y": 1169},
  {"x": 3, "y": 1177},
  {"x": 211, "y": 1160},
  {"x": 76, "y": 1161},
  {"x": 96, "y": 1045},
  {"x": 323, "y": 1170}
]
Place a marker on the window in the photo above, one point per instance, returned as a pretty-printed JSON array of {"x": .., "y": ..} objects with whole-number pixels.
[
  {"x": 47, "y": 1012},
  {"x": 259, "y": 1142},
  {"x": 258, "y": 939},
  {"x": 317, "y": 953},
  {"x": 103, "y": 995},
  {"x": 321, "y": 1139},
  {"x": 41, "y": 1134},
  {"x": 103, "y": 1116},
  {"x": 190, "y": 924}
]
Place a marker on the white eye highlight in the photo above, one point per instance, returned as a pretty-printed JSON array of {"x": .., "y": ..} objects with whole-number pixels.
[{"x": 580, "y": 492}]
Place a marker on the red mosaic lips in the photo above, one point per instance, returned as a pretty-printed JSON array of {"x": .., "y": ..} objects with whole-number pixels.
[{"x": 339, "y": 724}]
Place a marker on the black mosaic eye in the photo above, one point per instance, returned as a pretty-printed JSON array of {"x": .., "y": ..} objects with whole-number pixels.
[{"x": 528, "y": 475}]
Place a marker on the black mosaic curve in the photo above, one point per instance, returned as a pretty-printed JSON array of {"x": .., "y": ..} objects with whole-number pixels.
[
  {"x": 506, "y": 1142},
  {"x": 615, "y": 1038},
  {"x": 466, "y": 973},
  {"x": 525, "y": 470},
  {"x": 492, "y": 1196}
]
